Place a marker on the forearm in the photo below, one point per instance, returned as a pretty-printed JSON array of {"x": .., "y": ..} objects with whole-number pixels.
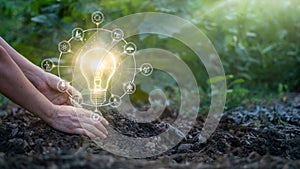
[
  {"x": 18, "y": 88},
  {"x": 31, "y": 71}
]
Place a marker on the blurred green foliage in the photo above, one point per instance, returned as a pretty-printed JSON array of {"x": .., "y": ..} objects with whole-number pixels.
[{"x": 258, "y": 40}]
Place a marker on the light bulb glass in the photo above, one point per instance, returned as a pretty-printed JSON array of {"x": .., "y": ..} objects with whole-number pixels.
[{"x": 98, "y": 66}]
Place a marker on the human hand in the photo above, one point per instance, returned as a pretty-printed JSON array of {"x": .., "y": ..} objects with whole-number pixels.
[
  {"x": 77, "y": 121},
  {"x": 47, "y": 85}
]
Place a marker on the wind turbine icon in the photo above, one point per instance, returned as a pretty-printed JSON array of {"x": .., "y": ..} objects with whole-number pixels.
[{"x": 78, "y": 34}]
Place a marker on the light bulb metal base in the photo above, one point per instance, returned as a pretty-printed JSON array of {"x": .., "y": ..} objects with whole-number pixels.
[{"x": 98, "y": 97}]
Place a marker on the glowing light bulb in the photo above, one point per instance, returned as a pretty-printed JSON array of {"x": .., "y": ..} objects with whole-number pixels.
[{"x": 98, "y": 66}]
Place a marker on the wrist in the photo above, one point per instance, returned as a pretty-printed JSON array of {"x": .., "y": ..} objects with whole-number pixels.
[{"x": 49, "y": 114}]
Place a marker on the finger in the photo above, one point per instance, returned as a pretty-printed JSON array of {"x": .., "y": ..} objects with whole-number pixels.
[
  {"x": 104, "y": 121},
  {"x": 100, "y": 126},
  {"x": 65, "y": 99},
  {"x": 95, "y": 120},
  {"x": 53, "y": 82},
  {"x": 84, "y": 132},
  {"x": 60, "y": 99},
  {"x": 94, "y": 130},
  {"x": 74, "y": 92},
  {"x": 71, "y": 102},
  {"x": 74, "y": 103},
  {"x": 99, "y": 121}
]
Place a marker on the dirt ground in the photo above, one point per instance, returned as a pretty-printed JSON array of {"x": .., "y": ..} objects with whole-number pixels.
[{"x": 256, "y": 136}]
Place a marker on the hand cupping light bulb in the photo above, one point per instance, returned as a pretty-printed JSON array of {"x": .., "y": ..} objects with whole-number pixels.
[{"x": 98, "y": 66}]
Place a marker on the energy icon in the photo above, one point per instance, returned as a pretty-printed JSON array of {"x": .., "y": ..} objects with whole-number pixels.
[
  {"x": 129, "y": 87},
  {"x": 115, "y": 100},
  {"x": 146, "y": 69},
  {"x": 97, "y": 17},
  {"x": 47, "y": 65},
  {"x": 130, "y": 48},
  {"x": 78, "y": 34},
  {"x": 62, "y": 86},
  {"x": 64, "y": 47},
  {"x": 117, "y": 34}
]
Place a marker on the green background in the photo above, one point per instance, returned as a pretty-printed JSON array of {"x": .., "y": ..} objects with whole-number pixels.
[{"x": 258, "y": 41}]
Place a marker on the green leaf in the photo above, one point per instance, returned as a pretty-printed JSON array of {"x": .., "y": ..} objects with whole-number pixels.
[
  {"x": 267, "y": 49},
  {"x": 237, "y": 81},
  {"x": 39, "y": 19},
  {"x": 219, "y": 78}
]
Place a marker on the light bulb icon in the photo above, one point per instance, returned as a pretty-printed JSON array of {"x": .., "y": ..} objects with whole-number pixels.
[{"x": 98, "y": 66}]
